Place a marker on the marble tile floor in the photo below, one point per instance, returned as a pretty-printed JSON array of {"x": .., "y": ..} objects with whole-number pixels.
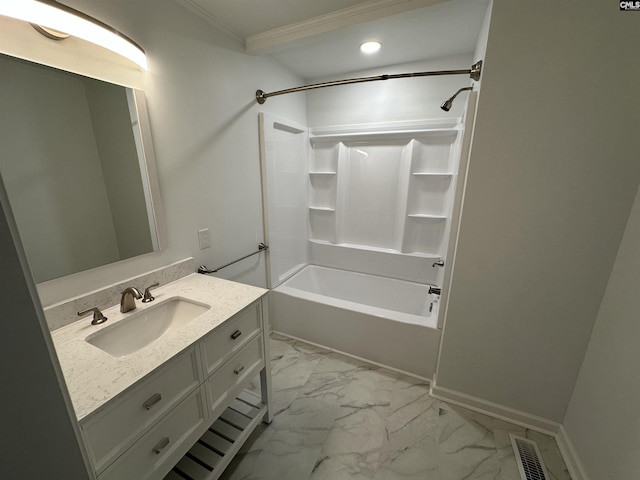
[{"x": 339, "y": 418}]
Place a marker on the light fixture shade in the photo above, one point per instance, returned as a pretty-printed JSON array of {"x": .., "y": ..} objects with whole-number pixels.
[{"x": 65, "y": 19}]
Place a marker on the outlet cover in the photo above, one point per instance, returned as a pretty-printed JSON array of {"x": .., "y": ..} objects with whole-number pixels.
[{"x": 204, "y": 238}]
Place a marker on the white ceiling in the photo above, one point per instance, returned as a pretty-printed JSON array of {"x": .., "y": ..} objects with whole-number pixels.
[
  {"x": 250, "y": 17},
  {"x": 321, "y": 38}
]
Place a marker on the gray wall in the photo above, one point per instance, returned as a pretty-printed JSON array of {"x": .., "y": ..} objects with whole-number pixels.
[
  {"x": 553, "y": 173},
  {"x": 38, "y": 426},
  {"x": 602, "y": 419}
]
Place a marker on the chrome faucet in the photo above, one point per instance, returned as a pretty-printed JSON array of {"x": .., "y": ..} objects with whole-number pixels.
[{"x": 128, "y": 299}]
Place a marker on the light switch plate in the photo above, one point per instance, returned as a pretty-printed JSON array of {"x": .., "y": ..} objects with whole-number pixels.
[{"x": 204, "y": 238}]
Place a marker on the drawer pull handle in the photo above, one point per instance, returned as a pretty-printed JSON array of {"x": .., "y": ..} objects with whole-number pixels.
[
  {"x": 161, "y": 445},
  {"x": 155, "y": 398},
  {"x": 236, "y": 334},
  {"x": 239, "y": 370}
]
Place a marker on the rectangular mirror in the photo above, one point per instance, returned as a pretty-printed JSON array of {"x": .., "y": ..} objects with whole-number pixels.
[{"x": 77, "y": 162}]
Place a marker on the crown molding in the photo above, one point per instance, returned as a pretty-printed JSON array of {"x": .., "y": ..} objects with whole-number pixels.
[
  {"x": 208, "y": 17},
  {"x": 364, "y": 12}
]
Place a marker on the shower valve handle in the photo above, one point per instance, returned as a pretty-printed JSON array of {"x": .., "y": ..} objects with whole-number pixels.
[{"x": 434, "y": 290}]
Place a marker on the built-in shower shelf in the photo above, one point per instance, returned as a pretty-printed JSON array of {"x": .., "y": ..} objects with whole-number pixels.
[
  {"x": 408, "y": 174},
  {"x": 368, "y": 248},
  {"x": 322, "y": 209},
  {"x": 208, "y": 458},
  {"x": 367, "y": 132},
  {"x": 431, "y": 174},
  {"x": 425, "y": 216}
]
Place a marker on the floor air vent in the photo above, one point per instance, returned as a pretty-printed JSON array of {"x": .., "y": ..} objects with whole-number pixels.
[{"x": 529, "y": 459}]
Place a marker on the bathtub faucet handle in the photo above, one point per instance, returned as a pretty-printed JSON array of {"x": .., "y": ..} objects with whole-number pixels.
[{"x": 439, "y": 263}]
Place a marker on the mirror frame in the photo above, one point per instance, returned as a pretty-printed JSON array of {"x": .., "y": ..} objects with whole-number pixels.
[{"x": 152, "y": 181}]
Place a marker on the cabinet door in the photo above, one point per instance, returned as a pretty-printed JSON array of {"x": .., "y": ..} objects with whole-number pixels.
[
  {"x": 157, "y": 452},
  {"x": 112, "y": 430},
  {"x": 227, "y": 382},
  {"x": 230, "y": 337}
]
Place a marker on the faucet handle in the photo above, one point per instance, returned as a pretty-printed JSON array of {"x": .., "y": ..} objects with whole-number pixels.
[
  {"x": 147, "y": 293},
  {"x": 98, "y": 317}
]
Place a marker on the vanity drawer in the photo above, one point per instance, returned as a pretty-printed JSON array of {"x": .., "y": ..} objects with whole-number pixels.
[
  {"x": 233, "y": 376},
  {"x": 160, "y": 449},
  {"x": 230, "y": 337},
  {"x": 111, "y": 431}
]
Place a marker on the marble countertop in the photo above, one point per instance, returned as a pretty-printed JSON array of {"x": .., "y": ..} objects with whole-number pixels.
[{"x": 94, "y": 377}]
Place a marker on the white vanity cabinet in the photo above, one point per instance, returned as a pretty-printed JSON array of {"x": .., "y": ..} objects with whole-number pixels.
[
  {"x": 164, "y": 444},
  {"x": 121, "y": 422},
  {"x": 144, "y": 433}
]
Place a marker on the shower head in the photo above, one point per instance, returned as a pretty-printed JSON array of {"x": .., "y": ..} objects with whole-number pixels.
[{"x": 447, "y": 104}]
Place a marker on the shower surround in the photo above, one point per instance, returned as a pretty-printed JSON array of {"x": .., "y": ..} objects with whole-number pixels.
[{"x": 376, "y": 204}]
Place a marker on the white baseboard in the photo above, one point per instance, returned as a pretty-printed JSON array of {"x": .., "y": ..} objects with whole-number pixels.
[
  {"x": 517, "y": 417},
  {"x": 570, "y": 456}
]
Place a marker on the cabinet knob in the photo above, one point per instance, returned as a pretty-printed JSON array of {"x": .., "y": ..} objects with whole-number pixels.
[
  {"x": 161, "y": 445},
  {"x": 239, "y": 370},
  {"x": 153, "y": 399},
  {"x": 236, "y": 334}
]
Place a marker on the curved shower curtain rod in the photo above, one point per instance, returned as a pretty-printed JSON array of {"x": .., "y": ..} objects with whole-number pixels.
[{"x": 474, "y": 72}]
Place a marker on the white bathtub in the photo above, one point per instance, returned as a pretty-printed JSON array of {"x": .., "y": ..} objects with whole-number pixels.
[{"x": 384, "y": 320}]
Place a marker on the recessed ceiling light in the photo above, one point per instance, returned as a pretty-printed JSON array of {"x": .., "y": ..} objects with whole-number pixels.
[{"x": 370, "y": 47}]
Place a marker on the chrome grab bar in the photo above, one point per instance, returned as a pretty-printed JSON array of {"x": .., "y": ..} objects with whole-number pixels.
[{"x": 261, "y": 248}]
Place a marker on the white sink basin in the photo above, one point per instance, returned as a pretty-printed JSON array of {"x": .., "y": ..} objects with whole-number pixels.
[{"x": 146, "y": 326}]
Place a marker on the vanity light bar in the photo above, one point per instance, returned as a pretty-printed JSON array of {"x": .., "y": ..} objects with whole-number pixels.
[{"x": 65, "y": 19}]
